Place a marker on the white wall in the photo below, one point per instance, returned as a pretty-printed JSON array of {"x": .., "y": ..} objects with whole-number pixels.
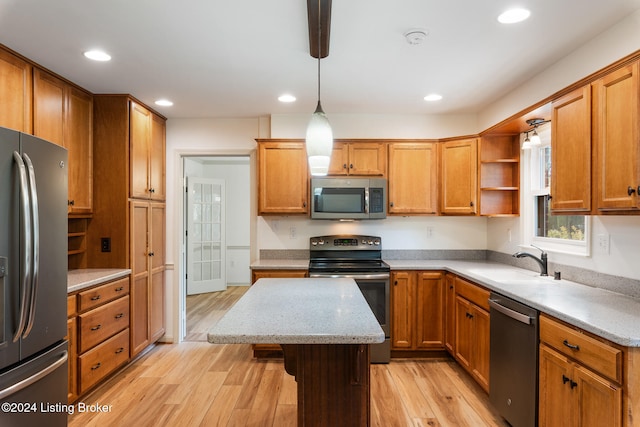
[{"x": 215, "y": 136}]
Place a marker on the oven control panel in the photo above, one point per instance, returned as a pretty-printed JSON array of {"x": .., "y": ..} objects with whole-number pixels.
[{"x": 351, "y": 242}]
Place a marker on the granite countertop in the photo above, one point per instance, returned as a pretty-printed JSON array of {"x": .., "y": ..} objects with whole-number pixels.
[
  {"x": 608, "y": 314},
  {"x": 78, "y": 280},
  {"x": 299, "y": 311}
]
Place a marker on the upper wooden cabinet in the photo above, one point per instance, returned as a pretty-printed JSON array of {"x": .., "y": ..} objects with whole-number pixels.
[
  {"x": 49, "y": 104},
  {"x": 147, "y": 139},
  {"x": 617, "y": 140},
  {"x": 63, "y": 114},
  {"x": 283, "y": 178},
  {"x": 358, "y": 158},
  {"x": 16, "y": 89},
  {"x": 413, "y": 178},
  {"x": 500, "y": 175},
  {"x": 459, "y": 177},
  {"x": 571, "y": 152}
]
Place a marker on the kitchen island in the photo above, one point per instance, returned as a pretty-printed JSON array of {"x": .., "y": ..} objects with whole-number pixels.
[{"x": 325, "y": 327}]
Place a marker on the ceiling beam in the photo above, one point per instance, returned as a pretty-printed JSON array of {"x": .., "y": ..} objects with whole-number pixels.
[{"x": 323, "y": 8}]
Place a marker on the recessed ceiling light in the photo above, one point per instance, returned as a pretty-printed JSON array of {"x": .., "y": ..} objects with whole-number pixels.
[
  {"x": 433, "y": 97},
  {"x": 97, "y": 55},
  {"x": 513, "y": 16},
  {"x": 164, "y": 103},
  {"x": 286, "y": 98}
]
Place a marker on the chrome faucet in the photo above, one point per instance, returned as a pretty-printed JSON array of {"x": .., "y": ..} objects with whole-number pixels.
[{"x": 542, "y": 261}]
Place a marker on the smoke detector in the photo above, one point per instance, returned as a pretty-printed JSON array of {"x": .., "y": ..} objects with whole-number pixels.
[{"x": 416, "y": 35}]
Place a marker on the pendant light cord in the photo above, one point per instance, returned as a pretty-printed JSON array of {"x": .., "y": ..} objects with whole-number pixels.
[{"x": 319, "y": 52}]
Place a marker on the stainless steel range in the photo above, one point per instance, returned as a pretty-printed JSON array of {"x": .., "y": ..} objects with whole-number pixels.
[{"x": 360, "y": 258}]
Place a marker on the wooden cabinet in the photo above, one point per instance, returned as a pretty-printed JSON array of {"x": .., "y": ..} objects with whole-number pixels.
[
  {"x": 580, "y": 378},
  {"x": 449, "y": 312},
  {"x": 471, "y": 342},
  {"x": 72, "y": 338},
  {"x": 413, "y": 178},
  {"x": 16, "y": 92},
  {"x": 101, "y": 323},
  {"x": 283, "y": 178},
  {"x": 135, "y": 227},
  {"x": 147, "y": 265},
  {"x": 358, "y": 158},
  {"x": 459, "y": 166},
  {"x": 417, "y": 310},
  {"x": 63, "y": 114},
  {"x": 147, "y": 154},
  {"x": 617, "y": 140},
  {"x": 571, "y": 152},
  {"x": 272, "y": 350},
  {"x": 499, "y": 175}
]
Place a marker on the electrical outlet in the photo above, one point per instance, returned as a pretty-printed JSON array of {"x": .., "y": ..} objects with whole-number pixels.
[
  {"x": 105, "y": 244},
  {"x": 429, "y": 231},
  {"x": 293, "y": 233},
  {"x": 602, "y": 243}
]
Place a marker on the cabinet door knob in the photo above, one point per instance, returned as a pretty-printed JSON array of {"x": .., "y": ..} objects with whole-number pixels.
[
  {"x": 304, "y": 204},
  {"x": 471, "y": 204},
  {"x": 351, "y": 166},
  {"x": 391, "y": 204},
  {"x": 344, "y": 166},
  {"x": 631, "y": 190},
  {"x": 151, "y": 254}
]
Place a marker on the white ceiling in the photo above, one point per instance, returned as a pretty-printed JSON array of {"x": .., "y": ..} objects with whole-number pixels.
[{"x": 233, "y": 58}]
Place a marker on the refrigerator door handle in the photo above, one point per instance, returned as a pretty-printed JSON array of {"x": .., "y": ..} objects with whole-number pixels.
[
  {"x": 35, "y": 235},
  {"x": 26, "y": 254},
  {"x": 35, "y": 377}
]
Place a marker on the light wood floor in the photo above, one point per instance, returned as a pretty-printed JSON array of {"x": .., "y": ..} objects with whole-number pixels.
[
  {"x": 204, "y": 310},
  {"x": 201, "y": 384}
]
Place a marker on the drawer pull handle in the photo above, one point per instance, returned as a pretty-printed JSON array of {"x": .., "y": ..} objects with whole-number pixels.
[
  {"x": 119, "y": 315},
  {"x": 95, "y": 328},
  {"x": 96, "y": 366},
  {"x": 120, "y": 289},
  {"x": 120, "y": 350},
  {"x": 571, "y": 346},
  {"x": 95, "y": 298}
]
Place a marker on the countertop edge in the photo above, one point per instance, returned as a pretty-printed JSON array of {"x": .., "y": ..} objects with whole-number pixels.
[{"x": 78, "y": 280}]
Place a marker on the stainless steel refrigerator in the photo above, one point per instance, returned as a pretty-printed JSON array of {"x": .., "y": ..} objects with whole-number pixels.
[{"x": 33, "y": 281}]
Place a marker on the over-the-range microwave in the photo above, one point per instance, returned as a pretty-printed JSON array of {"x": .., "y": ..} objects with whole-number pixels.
[{"x": 348, "y": 198}]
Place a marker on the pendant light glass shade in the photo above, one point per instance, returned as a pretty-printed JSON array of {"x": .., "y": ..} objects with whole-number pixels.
[
  {"x": 535, "y": 138},
  {"x": 526, "y": 145},
  {"x": 319, "y": 142}
]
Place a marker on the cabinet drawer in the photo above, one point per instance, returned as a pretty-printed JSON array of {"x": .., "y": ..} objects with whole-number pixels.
[
  {"x": 71, "y": 306},
  {"x": 102, "y": 294},
  {"x": 102, "y": 322},
  {"x": 102, "y": 360},
  {"x": 598, "y": 356},
  {"x": 474, "y": 293}
]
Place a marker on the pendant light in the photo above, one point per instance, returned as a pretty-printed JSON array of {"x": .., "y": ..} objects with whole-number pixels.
[{"x": 319, "y": 139}]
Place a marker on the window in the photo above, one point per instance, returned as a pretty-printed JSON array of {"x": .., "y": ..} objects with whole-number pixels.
[{"x": 560, "y": 233}]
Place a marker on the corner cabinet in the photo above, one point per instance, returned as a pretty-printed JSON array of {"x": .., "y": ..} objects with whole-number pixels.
[
  {"x": 459, "y": 166},
  {"x": 129, "y": 161},
  {"x": 413, "y": 178},
  {"x": 571, "y": 152},
  {"x": 283, "y": 177},
  {"x": 617, "y": 140}
]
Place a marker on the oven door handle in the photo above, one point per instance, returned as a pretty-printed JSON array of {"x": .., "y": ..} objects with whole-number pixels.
[{"x": 373, "y": 276}]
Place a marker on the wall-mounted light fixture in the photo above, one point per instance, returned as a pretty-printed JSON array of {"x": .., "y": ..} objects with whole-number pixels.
[{"x": 534, "y": 140}]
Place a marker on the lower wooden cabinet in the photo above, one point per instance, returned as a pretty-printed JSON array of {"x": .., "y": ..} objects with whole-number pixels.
[
  {"x": 472, "y": 339},
  {"x": 417, "y": 307},
  {"x": 98, "y": 334},
  {"x": 449, "y": 312},
  {"x": 272, "y": 350},
  {"x": 580, "y": 378}
]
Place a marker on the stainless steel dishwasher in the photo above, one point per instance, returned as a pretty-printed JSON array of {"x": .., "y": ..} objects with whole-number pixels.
[{"x": 513, "y": 389}]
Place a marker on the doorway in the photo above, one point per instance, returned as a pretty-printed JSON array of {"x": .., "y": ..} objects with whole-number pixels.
[{"x": 217, "y": 236}]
